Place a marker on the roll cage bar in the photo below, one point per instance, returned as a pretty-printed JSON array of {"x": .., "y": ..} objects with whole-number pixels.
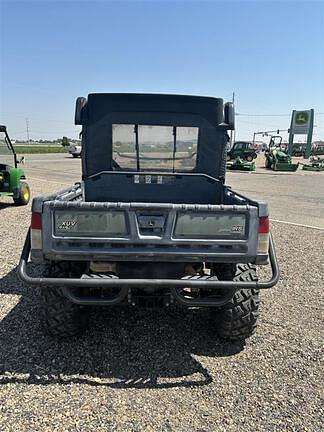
[{"x": 9, "y": 143}]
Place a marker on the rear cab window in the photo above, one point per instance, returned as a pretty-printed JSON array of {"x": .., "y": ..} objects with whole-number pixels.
[{"x": 140, "y": 147}]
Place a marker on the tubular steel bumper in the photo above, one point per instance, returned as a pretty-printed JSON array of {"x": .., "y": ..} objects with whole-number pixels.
[{"x": 175, "y": 285}]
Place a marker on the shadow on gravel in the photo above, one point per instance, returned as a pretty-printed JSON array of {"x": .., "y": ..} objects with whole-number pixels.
[
  {"x": 124, "y": 347},
  {"x": 4, "y": 205}
]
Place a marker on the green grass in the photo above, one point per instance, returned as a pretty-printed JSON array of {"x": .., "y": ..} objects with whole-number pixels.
[{"x": 28, "y": 149}]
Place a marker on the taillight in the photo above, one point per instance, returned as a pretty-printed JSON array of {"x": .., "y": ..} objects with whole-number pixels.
[
  {"x": 263, "y": 235},
  {"x": 36, "y": 231},
  {"x": 36, "y": 221},
  {"x": 264, "y": 225}
]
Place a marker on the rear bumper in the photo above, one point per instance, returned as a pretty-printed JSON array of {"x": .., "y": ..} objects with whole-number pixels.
[{"x": 175, "y": 285}]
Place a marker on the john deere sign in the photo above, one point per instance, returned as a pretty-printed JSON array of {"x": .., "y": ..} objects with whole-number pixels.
[
  {"x": 301, "y": 117},
  {"x": 301, "y": 124}
]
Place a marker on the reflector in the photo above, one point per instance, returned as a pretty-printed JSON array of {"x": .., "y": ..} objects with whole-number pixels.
[
  {"x": 36, "y": 239},
  {"x": 263, "y": 243}
]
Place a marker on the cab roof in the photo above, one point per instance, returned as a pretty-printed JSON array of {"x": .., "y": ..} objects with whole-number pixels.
[{"x": 98, "y": 105}]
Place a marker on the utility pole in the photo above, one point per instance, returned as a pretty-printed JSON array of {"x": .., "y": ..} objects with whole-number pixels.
[
  {"x": 232, "y": 131},
  {"x": 27, "y": 130}
]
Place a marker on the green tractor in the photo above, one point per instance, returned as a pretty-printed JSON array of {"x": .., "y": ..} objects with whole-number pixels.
[
  {"x": 277, "y": 158},
  {"x": 11, "y": 177}
]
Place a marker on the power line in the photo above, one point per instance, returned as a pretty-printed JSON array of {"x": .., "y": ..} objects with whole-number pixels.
[
  {"x": 262, "y": 115},
  {"x": 270, "y": 115}
]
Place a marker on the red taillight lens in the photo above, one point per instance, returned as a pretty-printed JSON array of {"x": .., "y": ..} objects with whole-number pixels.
[
  {"x": 36, "y": 221},
  {"x": 264, "y": 225}
]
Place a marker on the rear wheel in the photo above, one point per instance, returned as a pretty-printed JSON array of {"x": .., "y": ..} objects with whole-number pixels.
[
  {"x": 60, "y": 317},
  {"x": 22, "y": 196},
  {"x": 237, "y": 320}
]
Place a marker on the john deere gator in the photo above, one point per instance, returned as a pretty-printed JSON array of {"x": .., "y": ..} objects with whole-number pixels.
[{"x": 153, "y": 222}]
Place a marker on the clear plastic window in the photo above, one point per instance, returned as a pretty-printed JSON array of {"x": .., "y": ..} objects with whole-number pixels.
[{"x": 154, "y": 148}]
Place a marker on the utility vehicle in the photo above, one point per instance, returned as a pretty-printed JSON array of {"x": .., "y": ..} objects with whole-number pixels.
[
  {"x": 75, "y": 150},
  {"x": 12, "y": 178},
  {"x": 152, "y": 221},
  {"x": 242, "y": 149}
]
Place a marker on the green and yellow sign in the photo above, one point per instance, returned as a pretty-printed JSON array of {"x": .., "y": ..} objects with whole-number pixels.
[
  {"x": 302, "y": 117},
  {"x": 301, "y": 122}
]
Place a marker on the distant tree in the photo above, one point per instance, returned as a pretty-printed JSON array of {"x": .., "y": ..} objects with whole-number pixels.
[{"x": 65, "y": 141}]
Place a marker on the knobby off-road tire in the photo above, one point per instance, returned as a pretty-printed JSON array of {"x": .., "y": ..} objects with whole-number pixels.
[
  {"x": 237, "y": 320},
  {"x": 60, "y": 317}
]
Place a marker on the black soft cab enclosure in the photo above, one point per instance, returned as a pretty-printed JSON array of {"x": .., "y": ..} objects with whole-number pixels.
[{"x": 139, "y": 147}]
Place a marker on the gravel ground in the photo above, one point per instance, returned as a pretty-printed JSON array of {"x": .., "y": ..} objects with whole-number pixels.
[{"x": 164, "y": 370}]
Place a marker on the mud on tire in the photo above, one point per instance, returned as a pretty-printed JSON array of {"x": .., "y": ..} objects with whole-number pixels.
[{"x": 237, "y": 320}]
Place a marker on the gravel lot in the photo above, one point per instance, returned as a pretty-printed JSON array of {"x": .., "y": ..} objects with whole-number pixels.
[{"x": 165, "y": 370}]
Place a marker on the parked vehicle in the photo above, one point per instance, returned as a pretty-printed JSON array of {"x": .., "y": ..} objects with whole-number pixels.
[
  {"x": 12, "y": 178},
  {"x": 153, "y": 222},
  {"x": 75, "y": 150},
  {"x": 298, "y": 149},
  {"x": 317, "y": 149},
  {"x": 244, "y": 150},
  {"x": 259, "y": 146}
]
